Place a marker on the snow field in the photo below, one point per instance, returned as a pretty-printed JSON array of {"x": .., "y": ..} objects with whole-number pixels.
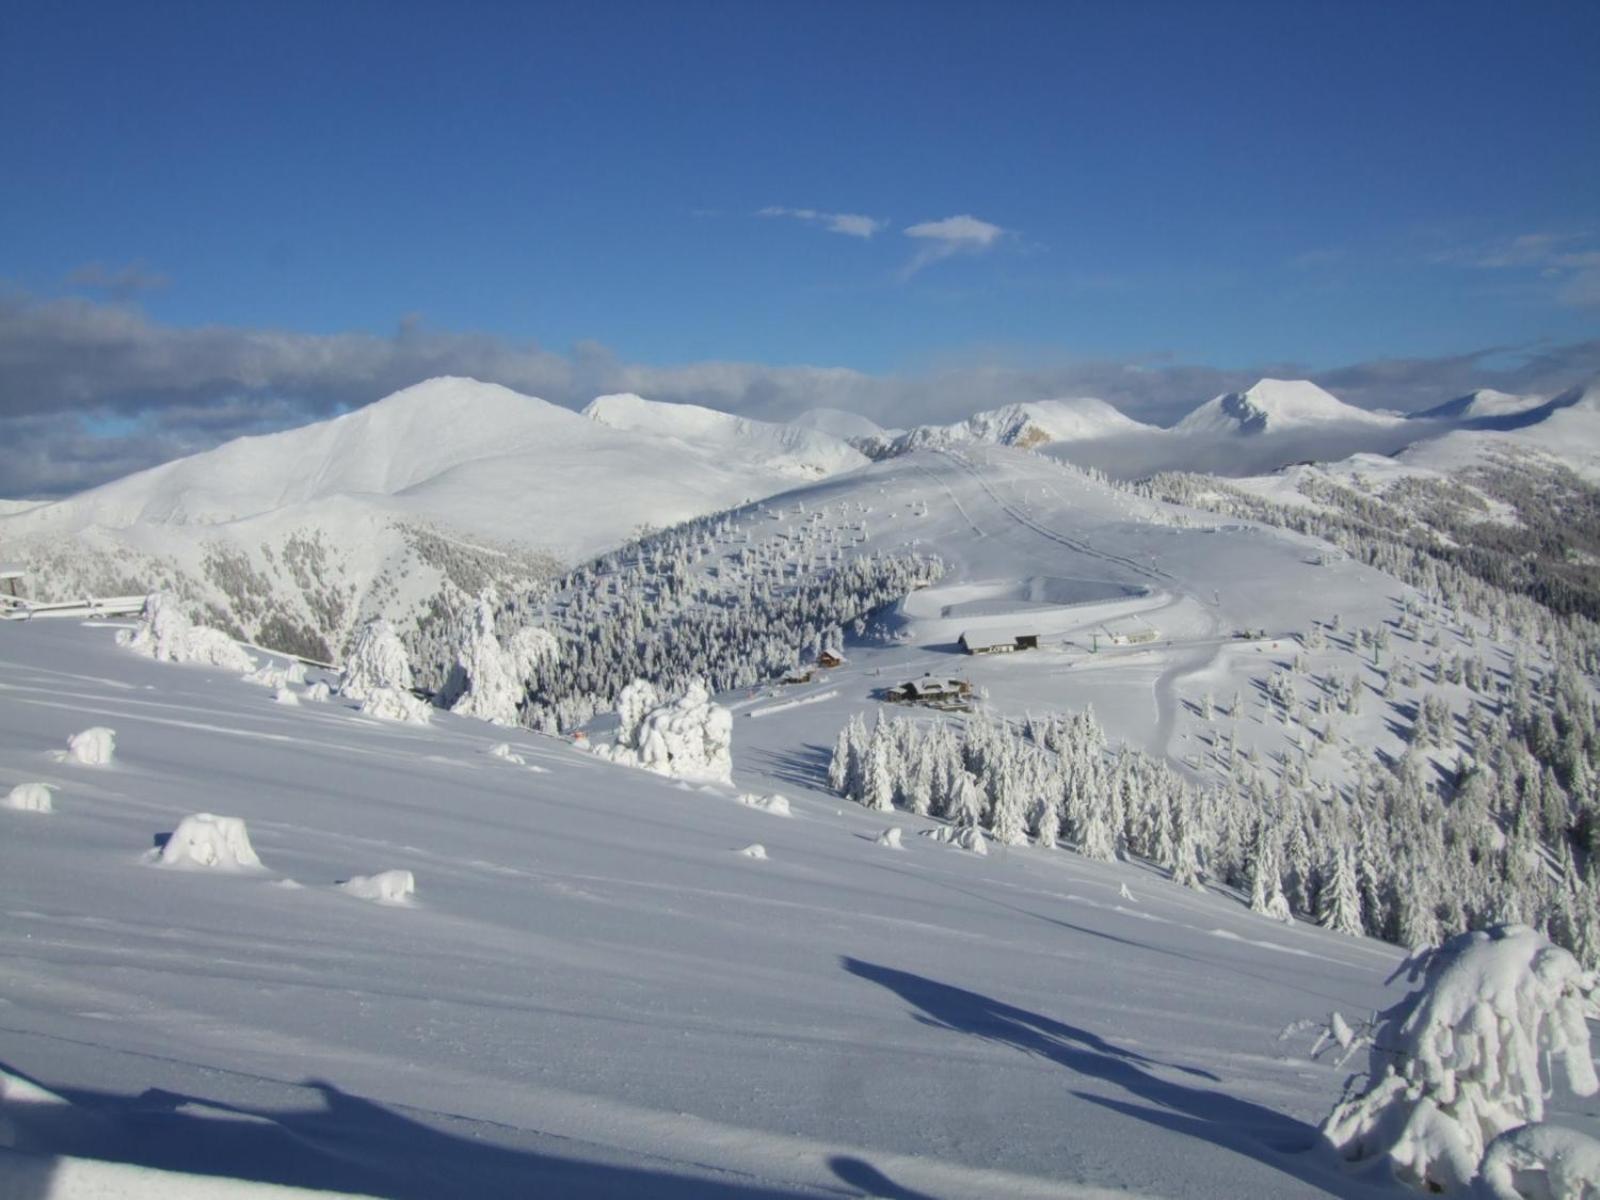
[{"x": 594, "y": 965}]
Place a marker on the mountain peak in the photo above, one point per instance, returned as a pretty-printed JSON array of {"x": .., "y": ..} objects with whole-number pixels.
[{"x": 1273, "y": 405}]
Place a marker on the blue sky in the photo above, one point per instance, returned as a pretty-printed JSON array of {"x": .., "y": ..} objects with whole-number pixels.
[{"x": 1225, "y": 185}]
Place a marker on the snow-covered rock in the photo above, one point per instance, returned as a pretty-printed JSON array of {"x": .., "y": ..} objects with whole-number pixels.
[
  {"x": 755, "y": 850},
  {"x": 165, "y": 634},
  {"x": 205, "y": 840},
  {"x": 1459, "y": 1061},
  {"x": 287, "y": 696},
  {"x": 30, "y": 797},
  {"x": 386, "y": 887},
  {"x": 890, "y": 837},
  {"x": 92, "y": 747},
  {"x": 504, "y": 751}
]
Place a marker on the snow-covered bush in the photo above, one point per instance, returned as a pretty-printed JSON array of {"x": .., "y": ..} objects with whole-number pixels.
[
  {"x": 30, "y": 797},
  {"x": 386, "y": 887},
  {"x": 165, "y": 634},
  {"x": 272, "y": 676},
  {"x": 1541, "y": 1162},
  {"x": 1457, "y": 1062},
  {"x": 962, "y": 837},
  {"x": 687, "y": 738},
  {"x": 504, "y": 751},
  {"x": 392, "y": 704},
  {"x": 204, "y": 840},
  {"x": 285, "y": 695},
  {"x": 318, "y": 691},
  {"x": 377, "y": 662},
  {"x": 890, "y": 837},
  {"x": 775, "y": 804},
  {"x": 93, "y": 747},
  {"x": 755, "y": 850}
]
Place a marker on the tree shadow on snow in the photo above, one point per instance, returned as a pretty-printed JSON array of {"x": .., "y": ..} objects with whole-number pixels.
[
  {"x": 345, "y": 1144},
  {"x": 1249, "y": 1129},
  {"x": 806, "y": 767}
]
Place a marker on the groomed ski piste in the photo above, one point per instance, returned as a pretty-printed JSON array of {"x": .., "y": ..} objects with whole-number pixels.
[{"x": 593, "y": 992}]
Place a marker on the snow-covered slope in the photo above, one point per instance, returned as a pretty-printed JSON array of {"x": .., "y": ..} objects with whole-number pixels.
[
  {"x": 593, "y": 992},
  {"x": 443, "y": 487},
  {"x": 787, "y": 450},
  {"x": 839, "y": 423},
  {"x": 1485, "y": 404},
  {"x": 1276, "y": 406}
]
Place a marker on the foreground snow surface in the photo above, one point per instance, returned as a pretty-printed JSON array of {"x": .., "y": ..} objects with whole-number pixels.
[{"x": 594, "y": 993}]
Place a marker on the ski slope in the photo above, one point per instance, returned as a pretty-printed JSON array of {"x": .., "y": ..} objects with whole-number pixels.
[{"x": 593, "y": 992}]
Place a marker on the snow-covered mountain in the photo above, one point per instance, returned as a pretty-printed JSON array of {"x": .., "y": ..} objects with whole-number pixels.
[
  {"x": 840, "y": 424},
  {"x": 1485, "y": 404},
  {"x": 787, "y": 450},
  {"x": 439, "y": 489},
  {"x": 1026, "y": 426},
  {"x": 1276, "y": 406}
]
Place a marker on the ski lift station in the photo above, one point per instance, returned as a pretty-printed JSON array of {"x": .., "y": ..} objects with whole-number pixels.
[{"x": 998, "y": 642}]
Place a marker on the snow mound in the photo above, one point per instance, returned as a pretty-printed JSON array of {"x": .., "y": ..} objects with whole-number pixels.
[
  {"x": 504, "y": 751},
  {"x": 1457, "y": 1062},
  {"x": 276, "y": 677},
  {"x": 890, "y": 837},
  {"x": 1276, "y": 405},
  {"x": 962, "y": 837},
  {"x": 392, "y": 704},
  {"x": 285, "y": 696},
  {"x": 30, "y": 797},
  {"x": 204, "y": 840},
  {"x": 318, "y": 691},
  {"x": 93, "y": 747},
  {"x": 165, "y": 634},
  {"x": 775, "y": 804},
  {"x": 755, "y": 850},
  {"x": 1541, "y": 1162},
  {"x": 386, "y": 887},
  {"x": 689, "y": 738}
]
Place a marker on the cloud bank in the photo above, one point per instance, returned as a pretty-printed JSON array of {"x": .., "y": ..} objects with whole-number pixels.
[{"x": 90, "y": 391}]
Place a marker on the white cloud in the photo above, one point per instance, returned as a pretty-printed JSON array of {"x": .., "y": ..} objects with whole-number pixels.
[
  {"x": 849, "y": 224},
  {"x": 1568, "y": 261},
  {"x": 963, "y": 234},
  {"x": 67, "y": 366}
]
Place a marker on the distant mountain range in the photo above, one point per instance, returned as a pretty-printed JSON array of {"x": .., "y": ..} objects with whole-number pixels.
[{"x": 436, "y": 491}]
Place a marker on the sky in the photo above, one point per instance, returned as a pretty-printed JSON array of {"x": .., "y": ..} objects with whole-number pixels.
[{"x": 221, "y": 218}]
